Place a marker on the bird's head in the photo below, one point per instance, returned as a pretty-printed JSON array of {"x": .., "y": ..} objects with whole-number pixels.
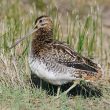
[
  {"x": 43, "y": 27},
  {"x": 43, "y": 22}
]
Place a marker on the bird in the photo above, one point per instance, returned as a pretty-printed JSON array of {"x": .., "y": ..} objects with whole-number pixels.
[{"x": 55, "y": 61}]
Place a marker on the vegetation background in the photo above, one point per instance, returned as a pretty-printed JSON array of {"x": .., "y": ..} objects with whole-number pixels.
[{"x": 83, "y": 24}]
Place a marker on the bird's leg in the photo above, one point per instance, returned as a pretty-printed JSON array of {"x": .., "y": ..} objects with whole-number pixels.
[
  {"x": 75, "y": 83},
  {"x": 40, "y": 85},
  {"x": 58, "y": 91},
  {"x": 70, "y": 88}
]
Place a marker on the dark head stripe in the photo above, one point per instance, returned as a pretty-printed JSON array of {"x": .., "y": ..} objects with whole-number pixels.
[{"x": 40, "y": 18}]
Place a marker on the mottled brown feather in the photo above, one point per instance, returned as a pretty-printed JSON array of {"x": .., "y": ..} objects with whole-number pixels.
[{"x": 45, "y": 47}]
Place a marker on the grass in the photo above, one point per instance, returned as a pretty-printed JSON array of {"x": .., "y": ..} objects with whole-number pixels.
[{"x": 84, "y": 35}]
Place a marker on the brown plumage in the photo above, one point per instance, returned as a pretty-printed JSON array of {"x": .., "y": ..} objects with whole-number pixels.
[
  {"x": 58, "y": 57},
  {"x": 55, "y": 61}
]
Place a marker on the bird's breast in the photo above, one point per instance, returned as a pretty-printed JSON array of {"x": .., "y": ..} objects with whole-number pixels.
[{"x": 41, "y": 69}]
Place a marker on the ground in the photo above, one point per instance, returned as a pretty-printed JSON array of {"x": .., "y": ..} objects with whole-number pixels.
[{"x": 85, "y": 27}]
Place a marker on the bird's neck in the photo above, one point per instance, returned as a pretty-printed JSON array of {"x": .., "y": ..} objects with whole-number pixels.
[
  {"x": 40, "y": 39},
  {"x": 43, "y": 35}
]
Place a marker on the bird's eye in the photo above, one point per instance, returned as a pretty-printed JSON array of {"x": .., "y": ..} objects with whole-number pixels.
[{"x": 40, "y": 21}]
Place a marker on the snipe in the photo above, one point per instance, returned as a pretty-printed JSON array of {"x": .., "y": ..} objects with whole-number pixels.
[{"x": 54, "y": 61}]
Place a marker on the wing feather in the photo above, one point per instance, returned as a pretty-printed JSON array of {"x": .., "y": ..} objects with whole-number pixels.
[{"x": 79, "y": 61}]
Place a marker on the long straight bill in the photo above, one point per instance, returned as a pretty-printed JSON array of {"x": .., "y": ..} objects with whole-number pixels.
[{"x": 23, "y": 38}]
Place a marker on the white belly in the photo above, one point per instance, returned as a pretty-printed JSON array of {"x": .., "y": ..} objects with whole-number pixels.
[{"x": 40, "y": 69}]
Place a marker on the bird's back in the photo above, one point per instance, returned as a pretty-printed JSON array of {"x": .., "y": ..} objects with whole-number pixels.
[{"x": 58, "y": 64}]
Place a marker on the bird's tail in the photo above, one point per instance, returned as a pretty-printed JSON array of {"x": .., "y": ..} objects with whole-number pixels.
[{"x": 96, "y": 75}]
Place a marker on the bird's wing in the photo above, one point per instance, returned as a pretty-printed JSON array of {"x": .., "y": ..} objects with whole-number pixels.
[{"x": 73, "y": 59}]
